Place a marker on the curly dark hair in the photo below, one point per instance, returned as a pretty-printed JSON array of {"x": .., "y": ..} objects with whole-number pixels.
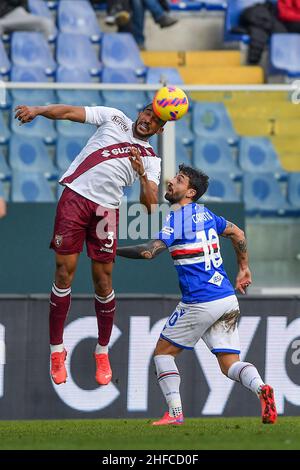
[{"x": 198, "y": 180}]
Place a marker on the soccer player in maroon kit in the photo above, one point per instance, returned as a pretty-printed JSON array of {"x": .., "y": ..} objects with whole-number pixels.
[{"x": 115, "y": 156}]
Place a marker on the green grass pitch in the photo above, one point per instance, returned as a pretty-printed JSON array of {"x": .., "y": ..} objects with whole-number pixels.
[{"x": 134, "y": 434}]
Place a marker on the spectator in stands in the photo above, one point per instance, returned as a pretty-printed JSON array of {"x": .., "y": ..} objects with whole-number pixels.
[
  {"x": 2, "y": 207},
  {"x": 289, "y": 14},
  {"x": 15, "y": 16},
  {"x": 159, "y": 10}
]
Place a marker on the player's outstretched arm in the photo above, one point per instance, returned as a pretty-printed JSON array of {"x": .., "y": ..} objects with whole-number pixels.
[
  {"x": 26, "y": 114},
  {"x": 146, "y": 251},
  {"x": 238, "y": 239}
]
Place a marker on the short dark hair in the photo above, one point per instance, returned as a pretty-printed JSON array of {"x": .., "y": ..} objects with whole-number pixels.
[
  {"x": 198, "y": 180},
  {"x": 150, "y": 105}
]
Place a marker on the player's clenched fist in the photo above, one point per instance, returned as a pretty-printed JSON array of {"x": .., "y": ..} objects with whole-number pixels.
[{"x": 26, "y": 113}]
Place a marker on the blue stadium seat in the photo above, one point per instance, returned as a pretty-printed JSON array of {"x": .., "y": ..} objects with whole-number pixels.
[
  {"x": 5, "y": 98},
  {"x": 294, "y": 190},
  {"x": 214, "y": 155},
  {"x": 262, "y": 195},
  {"x": 168, "y": 75},
  {"x": 32, "y": 50},
  {"x": 30, "y": 154},
  {"x": 79, "y": 19},
  {"x": 4, "y": 132},
  {"x": 39, "y": 127},
  {"x": 212, "y": 120},
  {"x": 71, "y": 129},
  {"x": 183, "y": 131},
  {"x": 5, "y": 172},
  {"x": 284, "y": 54},
  {"x": 119, "y": 50},
  {"x": 216, "y": 4},
  {"x": 221, "y": 187},
  {"x": 121, "y": 75},
  {"x": 67, "y": 149},
  {"x": 4, "y": 61},
  {"x": 113, "y": 75},
  {"x": 232, "y": 16},
  {"x": 257, "y": 154},
  {"x": 75, "y": 50},
  {"x": 40, "y": 8},
  {"x": 126, "y": 107},
  {"x": 76, "y": 97},
  {"x": 30, "y": 187},
  {"x": 182, "y": 154},
  {"x": 187, "y": 5},
  {"x": 31, "y": 74}
]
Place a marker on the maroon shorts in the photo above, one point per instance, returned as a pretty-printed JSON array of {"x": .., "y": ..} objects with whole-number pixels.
[{"x": 77, "y": 220}]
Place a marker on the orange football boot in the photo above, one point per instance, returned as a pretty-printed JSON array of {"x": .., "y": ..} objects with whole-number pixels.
[
  {"x": 58, "y": 368},
  {"x": 167, "y": 419},
  {"x": 268, "y": 407},
  {"x": 103, "y": 370}
]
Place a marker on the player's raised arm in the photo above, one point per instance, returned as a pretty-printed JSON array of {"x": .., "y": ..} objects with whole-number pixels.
[
  {"x": 26, "y": 114},
  {"x": 145, "y": 251},
  {"x": 238, "y": 239},
  {"x": 149, "y": 189}
]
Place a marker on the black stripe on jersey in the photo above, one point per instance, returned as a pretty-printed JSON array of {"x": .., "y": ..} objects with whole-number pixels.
[{"x": 192, "y": 255}]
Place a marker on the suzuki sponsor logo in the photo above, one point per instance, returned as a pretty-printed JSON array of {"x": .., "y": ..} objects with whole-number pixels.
[{"x": 115, "y": 151}]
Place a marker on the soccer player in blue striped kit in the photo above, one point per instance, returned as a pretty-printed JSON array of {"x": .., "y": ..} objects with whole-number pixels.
[{"x": 209, "y": 309}]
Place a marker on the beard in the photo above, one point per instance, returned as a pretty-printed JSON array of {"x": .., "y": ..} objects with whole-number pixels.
[{"x": 173, "y": 198}]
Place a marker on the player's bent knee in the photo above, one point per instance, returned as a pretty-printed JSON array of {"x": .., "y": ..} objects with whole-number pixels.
[{"x": 164, "y": 347}]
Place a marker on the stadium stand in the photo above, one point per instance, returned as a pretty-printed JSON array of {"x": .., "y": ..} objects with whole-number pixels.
[
  {"x": 40, "y": 127},
  {"x": 262, "y": 195},
  {"x": 4, "y": 61},
  {"x": 77, "y": 49},
  {"x": 294, "y": 190},
  {"x": 40, "y": 8},
  {"x": 182, "y": 154},
  {"x": 183, "y": 131},
  {"x": 76, "y": 97},
  {"x": 221, "y": 187},
  {"x": 257, "y": 155},
  {"x": 232, "y": 16},
  {"x": 28, "y": 154},
  {"x": 122, "y": 75},
  {"x": 5, "y": 171},
  {"x": 164, "y": 75},
  {"x": 71, "y": 129},
  {"x": 30, "y": 187},
  {"x": 23, "y": 74},
  {"x": 79, "y": 20},
  {"x": 213, "y": 155},
  {"x": 119, "y": 50},
  {"x": 284, "y": 54},
  {"x": 67, "y": 149},
  {"x": 212, "y": 120},
  {"x": 4, "y": 132},
  {"x": 30, "y": 49},
  {"x": 216, "y": 4}
]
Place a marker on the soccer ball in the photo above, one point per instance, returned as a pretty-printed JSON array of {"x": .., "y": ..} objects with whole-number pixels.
[{"x": 170, "y": 103}]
